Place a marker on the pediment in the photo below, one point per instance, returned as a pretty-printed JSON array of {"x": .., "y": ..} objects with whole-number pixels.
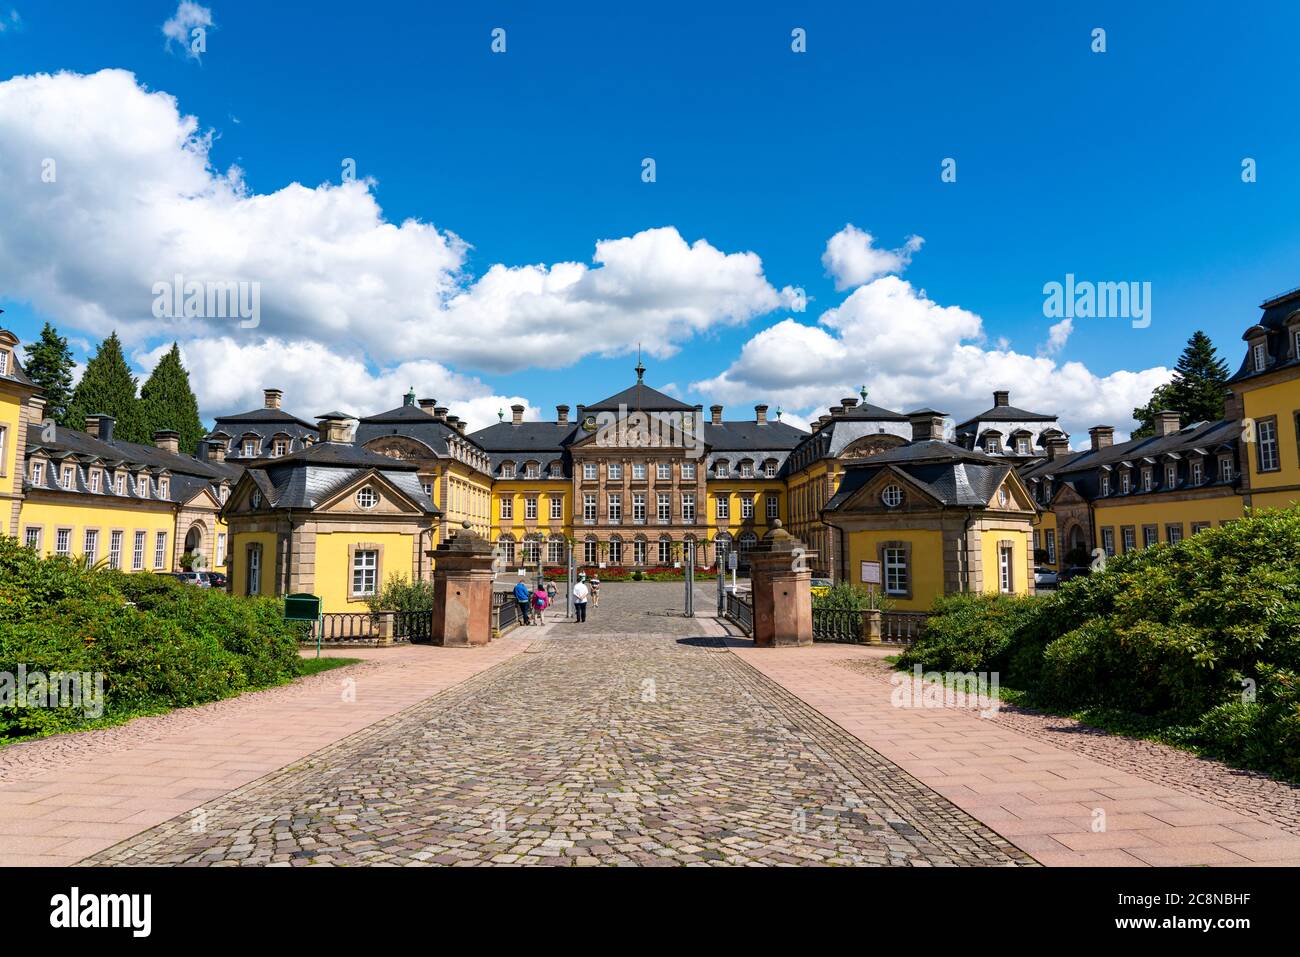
[
  {"x": 389, "y": 499},
  {"x": 870, "y": 498}
]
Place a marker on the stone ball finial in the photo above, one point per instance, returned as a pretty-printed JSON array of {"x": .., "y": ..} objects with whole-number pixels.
[
  {"x": 466, "y": 524},
  {"x": 776, "y": 523}
]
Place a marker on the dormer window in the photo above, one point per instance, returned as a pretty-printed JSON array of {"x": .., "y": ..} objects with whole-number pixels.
[
  {"x": 94, "y": 481},
  {"x": 38, "y": 473},
  {"x": 1171, "y": 476},
  {"x": 769, "y": 468},
  {"x": 993, "y": 444},
  {"x": 281, "y": 447},
  {"x": 4, "y": 361},
  {"x": 1124, "y": 480},
  {"x": 721, "y": 468},
  {"x": 1260, "y": 355},
  {"x": 1022, "y": 445},
  {"x": 1297, "y": 343},
  {"x": 1105, "y": 485},
  {"x": 121, "y": 485},
  {"x": 68, "y": 473},
  {"x": 746, "y": 469},
  {"x": 532, "y": 470},
  {"x": 507, "y": 470},
  {"x": 557, "y": 470},
  {"x": 1146, "y": 480},
  {"x": 1225, "y": 469},
  {"x": 1198, "y": 472},
  {"x": 250, "y": 448},
  {"x": 164, "y": 485}
]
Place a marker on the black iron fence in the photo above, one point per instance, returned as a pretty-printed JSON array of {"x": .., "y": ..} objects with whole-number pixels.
[
  {"x": 741, "y": 612},
  {"x": 505, "y": 613},
  {"x": 415, "y": 626}
]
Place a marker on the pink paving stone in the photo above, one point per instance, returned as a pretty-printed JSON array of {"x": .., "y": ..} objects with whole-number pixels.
[
  {"x": 146, "y": 766},
  {"x": 1149, "y": 822}
]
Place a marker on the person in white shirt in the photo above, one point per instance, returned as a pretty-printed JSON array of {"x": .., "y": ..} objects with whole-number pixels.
[{"x": 580, "y": 593}]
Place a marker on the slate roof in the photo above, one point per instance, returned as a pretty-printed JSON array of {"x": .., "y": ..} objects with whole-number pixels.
[
  {"x": 410, "y": 421},
  {"x": 640, "y": 397},
  {"x": 264, "y": 423},
  {"x": 952, "y": 475},
  {"x": 1006, "y": 413},
  {"x": 748, "y": 435},
  {"x": 304, "y": 480},
  {"x": 15, "y": 372},
  {"x": 1278, "y": 340}
]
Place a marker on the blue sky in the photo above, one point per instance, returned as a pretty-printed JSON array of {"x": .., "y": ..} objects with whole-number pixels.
[{"x": 1115, "y": 166}]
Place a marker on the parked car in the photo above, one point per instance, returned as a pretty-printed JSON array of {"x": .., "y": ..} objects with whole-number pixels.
[
  {"x": 217, "y": 579},
  {"x": 199, "y": 579},
  {"x": 820, "y": 587},
  {"x": 1045, "y": 577},
  {"x": 1075, "y": 571}
]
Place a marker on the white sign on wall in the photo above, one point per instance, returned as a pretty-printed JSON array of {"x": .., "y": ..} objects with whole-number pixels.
[{"x": 871, "y": 573}]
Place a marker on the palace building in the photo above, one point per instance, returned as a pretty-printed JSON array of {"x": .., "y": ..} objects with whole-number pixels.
[{"x": 336, "y": 505}]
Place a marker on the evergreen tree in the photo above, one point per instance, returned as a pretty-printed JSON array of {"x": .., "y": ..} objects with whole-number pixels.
[
  {"x": 167, "y": 402},
  {"x": 1197, "y": 392},
  {"x": 107, "y": 386},
  {"x": 49, "y": 364}
]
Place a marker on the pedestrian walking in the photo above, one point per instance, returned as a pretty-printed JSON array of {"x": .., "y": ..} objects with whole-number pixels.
[
  {"x": 551, "y": 593},
  {"x": 580, "y": 595},
  {"x": 594, "y": 584},
  {"x": 523, "y": 598},
  {"x": 540, "y": 601}
]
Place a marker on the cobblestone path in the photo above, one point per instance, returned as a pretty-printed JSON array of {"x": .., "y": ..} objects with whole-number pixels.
[{"x": 627, "y": 740}]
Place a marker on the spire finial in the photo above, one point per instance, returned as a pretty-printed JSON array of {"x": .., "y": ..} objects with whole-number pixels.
[
  {"x": 863, "y": 393},
  {"x": 640, "y": 368},
  {"x": 501, "y": 415},
  {"x": 778, "y": 413}
]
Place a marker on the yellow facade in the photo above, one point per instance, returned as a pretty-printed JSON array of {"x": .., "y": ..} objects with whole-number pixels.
[
  {"x": 240, "y": 545},
  {"x": 991, "y": 539},
  {"x": 1276, "y": 402},
  {"x": 516, "y": 493},
  {"x": 926, "y": 562},
  {"x": 734, "y": 492},
  {"x": 332, "y": 581},
  {"x": 1161, "y": 519},
  {"x": 51, "y": 513},
  {"x": 462, "y": 494}
]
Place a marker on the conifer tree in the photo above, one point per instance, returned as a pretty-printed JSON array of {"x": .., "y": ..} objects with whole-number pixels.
[
  {"x": 49, "y": 364},
  {"x": 1197, "y": 392},
  {"x": 168, "y": 402},
  {"x": 108, "y": 386}
]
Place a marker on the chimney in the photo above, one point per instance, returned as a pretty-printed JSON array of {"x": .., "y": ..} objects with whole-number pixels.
[
  {"x": 823, "y": 419},
  {"x": 440, "y": 413},
  {"x": 1001, "y": 398},
  {"x": 837, "y": 410},
  {"x": 272, "y": 398},
  {"x": 428, "y": 406},
  {"x": 848, "y": 403},
  {"x": 453, "y": 421},
  {"x": 760, "y": 414},
  {"x": 167, "y": 440},
  {"x": 516, "y": 414},
  {"x": 562, "y": 414},
  {"x": 1103, "y": 437},
  {"x": 1058, "y": 447},
  {"x": 927, "y": 426},
  {"x": 460, "y": 426},
  {"x": 715, "y": 414},
  {"x": 216, "y": 451},
  {"x": 333, "y": 428},
  {"x": 1167, "y": 422},
  {"x": 100, "y": 426},
  {"x": 814, "y": 425}
]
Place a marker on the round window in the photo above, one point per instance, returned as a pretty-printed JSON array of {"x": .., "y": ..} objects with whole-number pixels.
[
  {"x": 892, "y": 496},
  {"x": 367, "y": 498}
]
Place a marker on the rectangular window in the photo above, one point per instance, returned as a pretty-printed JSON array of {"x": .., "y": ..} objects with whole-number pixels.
[
  {"x": 616, "y": 552},
  {"x": 507, "y": 507},
  {"x": 688, "y": 508},
  {"x": 164, "y": 487},
  {"x": 1005, "y": 583},
  {"x": 1225, "y": 470},
  {"x": 68, "y": 471},
  {"x": 281, "y": 447},
  {"x": 688, "y": 471},
  {"x": 532, "y": 550},
  {"x": 1108, "y": 541},
  {"x": 1130, "y": 538},
  {"x": 121, "y": 485},
  {"x": 746, "y": 506},
  {"x": 365, "y": 566},
  {"x": 160, "y": 550},
  {"x": 1171, "y": 476},
  {"x": 1124, "y": 482},
  {"x": 589, "y": 471},
  {"x": 746, "y": 469},
  {"x": 94, "y": 481},
  {"x": 663, "y": 471},
  {"x": 1105, "y": 484},
  {"x": 555, "y": 551},
  {"x": 1198, "y": 473},
  {"x": 638, "y": 508},
  {"x": 589, "y": 509},
  {"x": 722, "y": 506},
  {"x": 615, "y": 508},
  {"x": 1174, "y": 533},
  {"x": 1051, "y": 546},
  {"x": 895, "y": 571},
  {"x": 38, "y": 472},
  {"x": 615, "y": 471},
  {"x": 638, "y": 552},
  {"x": 1266, "y": 435},
  {"x": 530, "y": 507},
  {"x": 507, "y": 551},
  {"x": 254, "y": 583},
  {"x": 1022, "y": 446},
  {"x": 665, "y": 551},
  {"x": 773, "y": 507},
  {"x": 1150, "y": 535},
  {"x": 1260, "y": 355},
  {"x": 32, "y": 538},
  {"x": 137, "y": 552},
  {"x": 721, "y": 469},
  {"x": 589, "y": 552},
  {"x": 1200, "y": 526},
  {"x": 665, "y": 509},
  {"x": 1146, "y": 480},
  {"x": 4, "y": 362},
  {"x": 557, "y": 470},
  {"x": 769, "y": 469},
  {"x": 250, "y": 450},
  {"x": 507, "y": 470},
  {"x": 638, "y": 471},
  {"x": 220, "y": 557},
  {"x": 557, "y": 508},
  {"x": 63, "y": 542},
  {"x": 532, "y": 470},
  {"x": 115, "y": 550}
]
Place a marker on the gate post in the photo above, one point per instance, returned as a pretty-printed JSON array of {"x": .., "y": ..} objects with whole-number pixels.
[
  {"x": 462, "y": 591},
  {"x": 782, "y": 585}
]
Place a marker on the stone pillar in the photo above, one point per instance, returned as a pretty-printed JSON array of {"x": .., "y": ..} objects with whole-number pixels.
[
  {"x": 462, "y": 590},
  {"x": 872, "y": 626},
  {"x": 781, "y": 575}
]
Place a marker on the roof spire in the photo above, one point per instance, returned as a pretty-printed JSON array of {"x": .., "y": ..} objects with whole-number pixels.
[
  {"x": 640, "y": 368},
  {"x": 410, "y": 397},
  {"x": 863, "y": 393},
  {"x": 778, "y": 413}
]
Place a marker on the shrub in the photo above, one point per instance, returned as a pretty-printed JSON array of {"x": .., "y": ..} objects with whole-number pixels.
[
  {"x": 969, "y": 632},
  {"x": 402, "y": 594},
  {"x": 158, "y": 642},
  {"x": 847, "y": 596}
]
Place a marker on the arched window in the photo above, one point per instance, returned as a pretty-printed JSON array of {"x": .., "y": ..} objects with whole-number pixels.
[
  {"x": 616, "y": 551},
  {"x": 748, "y": 541}
]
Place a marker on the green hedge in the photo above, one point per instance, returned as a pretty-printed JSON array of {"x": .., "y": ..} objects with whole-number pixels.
[
  {"x": 1172, "y": 634},
  {"x": 159, "y": 643}
]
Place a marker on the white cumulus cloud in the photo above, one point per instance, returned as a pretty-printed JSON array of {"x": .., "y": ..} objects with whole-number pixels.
[
  {"x": 852, "y": 257},
  {"x": 178, "y": 29}
]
